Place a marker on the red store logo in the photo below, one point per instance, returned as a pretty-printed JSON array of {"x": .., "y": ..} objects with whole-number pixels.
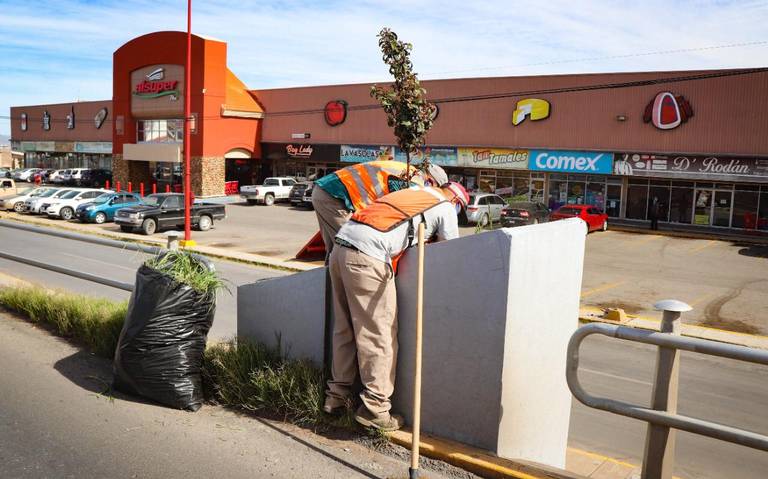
[{"x": 667, "y": 111}]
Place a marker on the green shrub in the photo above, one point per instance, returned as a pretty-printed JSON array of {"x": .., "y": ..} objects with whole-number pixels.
[{"x": 94, "y": 321}]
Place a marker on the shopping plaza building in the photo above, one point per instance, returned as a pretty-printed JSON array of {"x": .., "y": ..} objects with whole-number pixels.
[{"x": 694, "y": 142}]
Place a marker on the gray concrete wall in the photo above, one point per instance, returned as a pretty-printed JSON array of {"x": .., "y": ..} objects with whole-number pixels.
[{"x": 499, "y": 309}]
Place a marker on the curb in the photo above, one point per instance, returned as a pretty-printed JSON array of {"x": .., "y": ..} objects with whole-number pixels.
[
  {"x": 477, "y": 461},
  {"x": 690, "y": 234},
  {"x": 245, "y": 258}
]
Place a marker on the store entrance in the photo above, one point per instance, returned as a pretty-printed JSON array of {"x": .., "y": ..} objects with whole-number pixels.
[{"x": 713, "y": 207}]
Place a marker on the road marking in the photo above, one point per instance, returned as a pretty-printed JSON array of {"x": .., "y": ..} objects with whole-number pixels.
[
  {"x": 604, "y": 287},
  {"x": 646, "y": 240},
  {"x": 613, "y": 376},
  {"x": 702, "y": 247},
  {"x": 600, "y": 457},
  {"x": 112, "y": 265}
]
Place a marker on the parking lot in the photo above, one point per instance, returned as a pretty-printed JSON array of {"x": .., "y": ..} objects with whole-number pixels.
[{"x": 725, "y": 282}]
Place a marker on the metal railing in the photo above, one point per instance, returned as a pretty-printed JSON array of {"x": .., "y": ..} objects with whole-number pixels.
[
  {"x": 662, "y": 417},
  {"x": 173, "y": 244}
]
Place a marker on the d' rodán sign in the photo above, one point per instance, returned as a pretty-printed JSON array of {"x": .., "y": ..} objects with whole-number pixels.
[{"x": 637, "y": 164}]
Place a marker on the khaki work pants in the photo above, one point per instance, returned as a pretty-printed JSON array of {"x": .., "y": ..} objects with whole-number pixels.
[
  {"x": 331, "y": 215},
  {"x": 364, "y": 329}
]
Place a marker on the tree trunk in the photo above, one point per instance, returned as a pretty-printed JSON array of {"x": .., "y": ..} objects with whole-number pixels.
[{"x": 408, "y": 166}]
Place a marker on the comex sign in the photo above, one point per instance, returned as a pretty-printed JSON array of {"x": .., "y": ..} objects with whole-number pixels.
[{"x": 571, "y": 161}]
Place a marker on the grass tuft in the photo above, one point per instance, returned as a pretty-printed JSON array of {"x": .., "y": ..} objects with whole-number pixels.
[
  {"x": 96, "y": 322},
  {"x": 183, "y": 267}
]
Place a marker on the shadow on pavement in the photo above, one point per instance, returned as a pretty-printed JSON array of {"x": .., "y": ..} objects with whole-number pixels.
[{"x": 753, "y": 250}]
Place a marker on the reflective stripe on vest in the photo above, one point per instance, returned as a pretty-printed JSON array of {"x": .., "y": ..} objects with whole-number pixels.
[
  {"x": 387, "y": 213},
  {"x": 365, "y": 182}
]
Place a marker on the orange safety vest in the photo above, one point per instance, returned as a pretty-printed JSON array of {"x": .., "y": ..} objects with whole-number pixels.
[
  {"x": 389, "y": 212},
  {"x": 365, "y": 182}
]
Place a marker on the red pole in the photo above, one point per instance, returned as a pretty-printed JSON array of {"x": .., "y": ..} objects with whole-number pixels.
[
  {"x": 187, "y": 112},
  {"x": 141, "y": 189},
  {"x": 117, "y": 186},
  {"x": 167, "y": 188},
  {"x": 154, "y": 188},
  {"x": 106, "y": 185},
  {"x": 130, "y": 187}
]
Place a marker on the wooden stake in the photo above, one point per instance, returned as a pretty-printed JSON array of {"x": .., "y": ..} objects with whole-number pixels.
[{"x": 413, "y": 471}]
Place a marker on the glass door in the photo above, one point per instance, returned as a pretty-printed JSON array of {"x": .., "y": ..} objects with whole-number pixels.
[
  {"x": 702, "y": 212},
  {"x": 721, "y": 210}
]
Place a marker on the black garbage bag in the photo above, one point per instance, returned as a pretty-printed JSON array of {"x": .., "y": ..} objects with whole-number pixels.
[{"x": 160, "y": 351}]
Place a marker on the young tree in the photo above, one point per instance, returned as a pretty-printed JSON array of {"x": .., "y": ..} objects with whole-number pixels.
[{"x": 405, "y": 103}]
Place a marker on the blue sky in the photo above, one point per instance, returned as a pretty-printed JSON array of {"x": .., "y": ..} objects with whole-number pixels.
[{"x": 61, "y": 50}]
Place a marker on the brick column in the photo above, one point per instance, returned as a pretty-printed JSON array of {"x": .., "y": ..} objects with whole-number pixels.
[
  {"x": 208, "y": 176},
  {"x": 119, "y": 169}
]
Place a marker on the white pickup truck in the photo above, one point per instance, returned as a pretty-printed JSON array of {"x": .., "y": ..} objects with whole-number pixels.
[{"x": 273, "y": 189}]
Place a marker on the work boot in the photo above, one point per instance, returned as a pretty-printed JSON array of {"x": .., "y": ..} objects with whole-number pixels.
[
  {"x": 385, "y": 422},
  {"x": 334, "y": 406}
]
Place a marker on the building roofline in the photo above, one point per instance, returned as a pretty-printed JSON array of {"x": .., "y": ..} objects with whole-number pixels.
[{"x": 63, "y": 103}]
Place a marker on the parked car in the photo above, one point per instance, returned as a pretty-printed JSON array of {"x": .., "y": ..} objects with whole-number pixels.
[
  {"x": 482, "y": 209},
  {"x": 5, "y": 172},
  {"x": 301, "y": 194},
  {"x": 166, "y": 210},
  {"x": 592, "y": 215},
  {"x": 16, "y": 203},
  {"x": 25, "y": 174},
  {"x": 34, "y": 205},
  {"x": 55, "y": 174},
  {"x": 76, "y": 176},
  {"x": 62, "y": 177},
  {"x": 65, "y": 206},
  {"x": 8, "y": 187},
  {"x": 524, "y": 213},
  {"x": 103, "y": 208},
  {"x": 42, "y": 176},
  {"x": 94, "y": 178},
  {"x": 273, "y": 189}
]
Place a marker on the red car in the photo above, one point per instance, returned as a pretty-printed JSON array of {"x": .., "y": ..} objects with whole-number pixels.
[{"x": 595, "y": 219}]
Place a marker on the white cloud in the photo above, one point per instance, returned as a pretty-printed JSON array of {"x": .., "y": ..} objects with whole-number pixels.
[{"x": 64, "y": 51}]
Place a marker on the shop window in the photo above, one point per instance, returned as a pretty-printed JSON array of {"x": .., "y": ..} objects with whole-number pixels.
[
  {"x": 762, "y": 212},
  {"x": 558, "y": 194},
  {"x": 537, "y": 188},
  {"x": 680, "y": 204},
  {"x": 637, "y": 201},
  {"x": 576, "y": 192},
  {"x": 487, "y": 181},
  {"x": 660, "y": 194},
  {"x": 745, "y": 209},
  {"x": 685, "y": 184},
  {"x": 160, "y": 131},
  {"x": 596, "y": 195},
  {"x": 613, "y": 201}
]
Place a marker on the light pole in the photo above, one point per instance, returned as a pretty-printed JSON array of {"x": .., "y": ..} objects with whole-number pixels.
[{"x": 187, "y": 107}]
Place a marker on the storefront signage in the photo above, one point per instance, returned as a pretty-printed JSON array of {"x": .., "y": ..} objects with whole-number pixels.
[
  {"x": 667, "y": 111},
  {"x": 365, "y": 153},
  {"x": 46, "y": 120},
  {"x": 71, "y": 118},
  {"x": 637, "y": 164},
  {"x": 45, "y": 146},
  {"x": 24, "y": 124},
  {"x": 98, "y": 120},
  {"x": 335, "y": 112},
  {"x": 533, "y": 108},
  {"x": 442, "y": 156},
  {"x": 28, "y": 146},
  {"x": 299, "y": 151},
  {"x": 493, "y": 158},
  {"x": 571, "y": 161},
  {"x": 104, "y": 147},
  {"x": 154, "y": 86}
]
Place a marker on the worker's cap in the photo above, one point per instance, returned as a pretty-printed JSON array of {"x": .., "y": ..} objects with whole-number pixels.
[
  {"x": 459, "y": 192},
  {"x": 439, "y": 176}
]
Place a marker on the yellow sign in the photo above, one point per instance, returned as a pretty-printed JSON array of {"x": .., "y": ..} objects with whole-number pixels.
[
  {"x": 493, "y": 158},
  {"x": 531, "y": 107}
]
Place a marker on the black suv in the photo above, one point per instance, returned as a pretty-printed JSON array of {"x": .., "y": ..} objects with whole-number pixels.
[{"x": 95, "y": 178}]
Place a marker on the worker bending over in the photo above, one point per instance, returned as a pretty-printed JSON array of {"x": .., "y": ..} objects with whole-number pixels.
[
  {"x": 362, "y": 269},
  {"x": 339, "y": 194}
]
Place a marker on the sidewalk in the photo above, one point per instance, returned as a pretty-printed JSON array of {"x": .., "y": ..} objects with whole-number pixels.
[{"x": 689, "y": 231}]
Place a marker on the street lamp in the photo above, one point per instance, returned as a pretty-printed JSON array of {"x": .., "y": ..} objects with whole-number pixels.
[{"x": 187, "y": 130}]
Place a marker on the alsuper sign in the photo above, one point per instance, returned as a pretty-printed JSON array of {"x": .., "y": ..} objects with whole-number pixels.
[{"x": 154, "y": 89}]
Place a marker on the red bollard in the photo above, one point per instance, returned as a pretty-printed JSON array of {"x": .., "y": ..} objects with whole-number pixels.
[
  {"x": 106, "y": 185},
  {"x": 167, "y": 188},
  {"x": 141, "y": 189},
  {"x": 130, "y": 187},
  {"x": 154, "y": 188},
  {"x": 117, "y": 186}
]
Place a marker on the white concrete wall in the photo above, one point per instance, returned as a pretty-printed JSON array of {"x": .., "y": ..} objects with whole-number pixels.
[{"x": 499, "y": 309}]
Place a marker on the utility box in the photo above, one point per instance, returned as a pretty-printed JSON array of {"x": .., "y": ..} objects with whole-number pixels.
[{"x": 499, "y": 309}]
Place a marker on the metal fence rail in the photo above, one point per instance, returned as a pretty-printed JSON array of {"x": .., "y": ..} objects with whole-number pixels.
[{"x": 658, "y": 459}]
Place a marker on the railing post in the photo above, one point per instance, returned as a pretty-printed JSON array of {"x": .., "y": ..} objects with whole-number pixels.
[{"x": 659, "y": 456}]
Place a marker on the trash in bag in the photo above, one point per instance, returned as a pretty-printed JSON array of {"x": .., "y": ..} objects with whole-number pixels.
[{"x": 160, "y": 350}]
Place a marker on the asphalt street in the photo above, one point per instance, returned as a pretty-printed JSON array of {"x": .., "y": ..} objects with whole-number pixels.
[
  {"x": 115, "y": 264},
  {"x": 719, "y": 390}
]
